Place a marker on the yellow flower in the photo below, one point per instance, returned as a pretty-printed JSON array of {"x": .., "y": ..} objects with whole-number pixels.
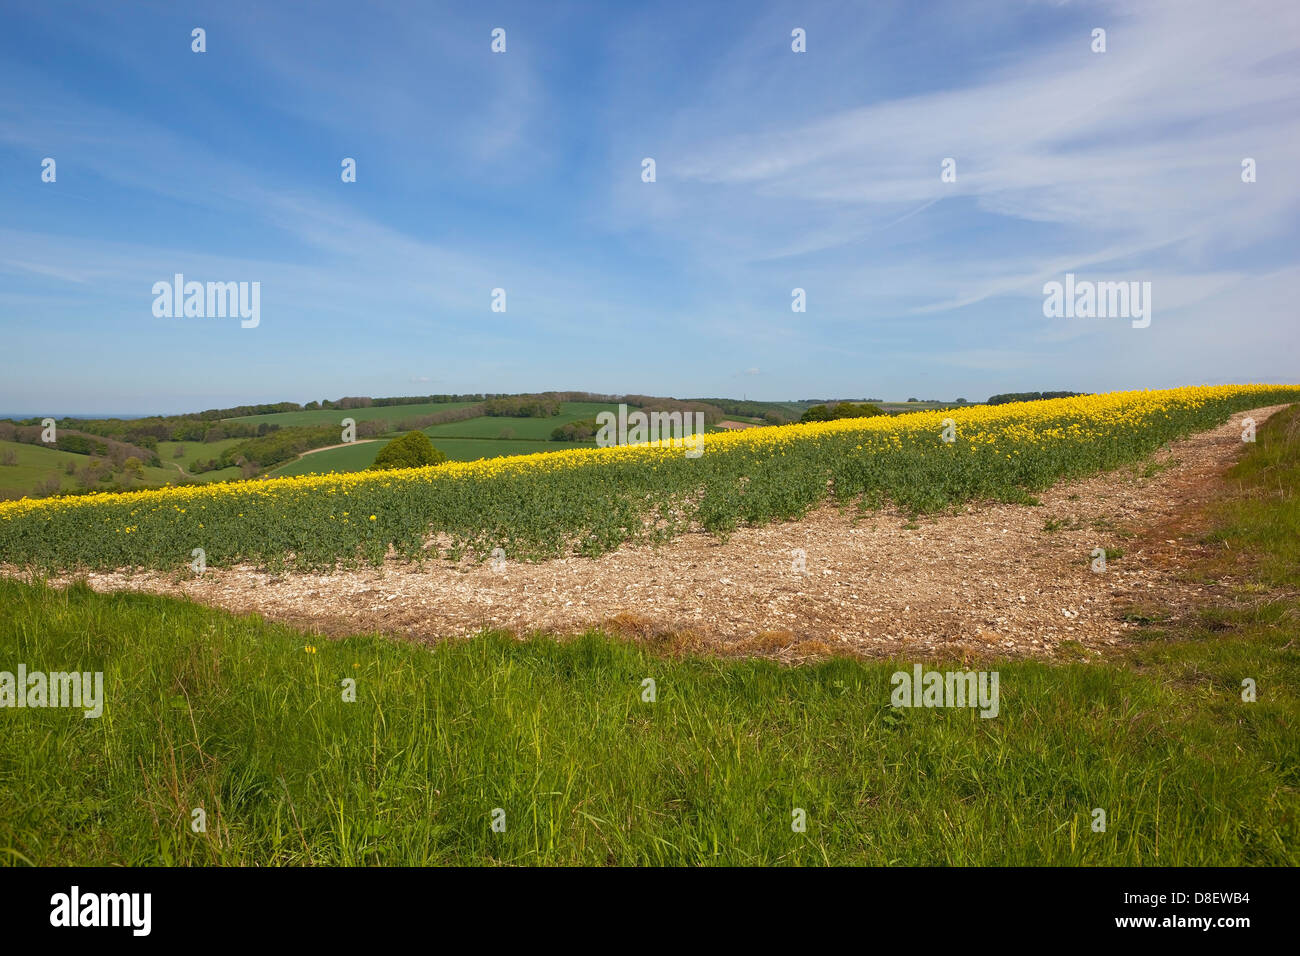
[{"x": 998, "y": 430}]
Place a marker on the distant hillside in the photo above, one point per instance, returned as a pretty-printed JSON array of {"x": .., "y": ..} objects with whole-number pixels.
[{"x": 1029, "y": 397}]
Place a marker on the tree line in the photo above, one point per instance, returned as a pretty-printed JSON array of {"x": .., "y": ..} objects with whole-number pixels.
[{"x": 1006, "y": 397}]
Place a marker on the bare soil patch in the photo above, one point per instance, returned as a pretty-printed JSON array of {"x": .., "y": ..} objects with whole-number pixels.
[{"x": 991, "y": 580}]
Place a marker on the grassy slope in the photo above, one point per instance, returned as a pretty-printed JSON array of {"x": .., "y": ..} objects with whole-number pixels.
[
  {"x": 353, "y": 457},
  {"x": 232, "y": 714},
  {"x": 36, "y": 464}
]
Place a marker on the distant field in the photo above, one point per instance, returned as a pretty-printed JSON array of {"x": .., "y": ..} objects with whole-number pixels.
[
  {"x": 196, "y": 451},
  {"x": 358, "y": 456},
  {"x": 37, "y": 464},
  {"x": 352, "y": 457},
  {"x": 332, "y": 416},
  {"x": 537, "y": 429}
]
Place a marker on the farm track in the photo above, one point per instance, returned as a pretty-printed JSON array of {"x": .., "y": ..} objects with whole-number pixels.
[
  {"x": 312, "y": 451},
  {"x": 991, "y": 580}
]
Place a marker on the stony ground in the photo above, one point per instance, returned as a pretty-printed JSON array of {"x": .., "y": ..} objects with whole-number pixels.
[{"x": 1005, "y": 580}]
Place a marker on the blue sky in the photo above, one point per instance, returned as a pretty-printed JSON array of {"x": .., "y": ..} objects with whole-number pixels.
[{"x": 522, "y": 171}]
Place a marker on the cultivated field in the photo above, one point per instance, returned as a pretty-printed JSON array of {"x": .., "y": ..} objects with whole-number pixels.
[{"x": 592, "y": 501}]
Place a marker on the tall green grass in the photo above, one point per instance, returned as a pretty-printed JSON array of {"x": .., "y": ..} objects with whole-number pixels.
[{"x": 233, "y": 715}]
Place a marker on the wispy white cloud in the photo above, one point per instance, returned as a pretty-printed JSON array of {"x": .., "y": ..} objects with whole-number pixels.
[{"x": 1140, "y": 145}]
